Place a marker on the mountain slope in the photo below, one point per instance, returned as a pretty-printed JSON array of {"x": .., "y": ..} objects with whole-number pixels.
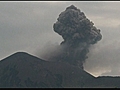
[{"x": 24, "y": 70}]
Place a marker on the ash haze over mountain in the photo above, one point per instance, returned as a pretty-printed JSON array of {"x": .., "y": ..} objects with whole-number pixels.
[{"x": 28, "y": 26}]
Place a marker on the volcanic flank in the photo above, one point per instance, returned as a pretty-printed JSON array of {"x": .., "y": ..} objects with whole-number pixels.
[
  {"x": 78, "y": 33},
  {"x": 24, "y": 70}
]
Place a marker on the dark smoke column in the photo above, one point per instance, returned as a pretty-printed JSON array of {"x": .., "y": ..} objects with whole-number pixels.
[{"x": 78, "y": 33}]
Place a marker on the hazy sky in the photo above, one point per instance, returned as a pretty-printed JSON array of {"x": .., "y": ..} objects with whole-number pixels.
[{"x": 28, "y": 27}]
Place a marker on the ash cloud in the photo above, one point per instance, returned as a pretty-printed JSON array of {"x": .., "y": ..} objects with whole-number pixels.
[
  {"x": 104, "y": 58},
  {"x": 50, "y": 51},
  {"x": 78, "y": 34}
]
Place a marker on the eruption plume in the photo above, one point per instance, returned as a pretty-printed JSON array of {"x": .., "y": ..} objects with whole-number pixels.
[{"x": 78, "y": 33}]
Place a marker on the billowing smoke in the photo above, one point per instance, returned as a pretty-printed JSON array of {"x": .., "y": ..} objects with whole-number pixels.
[{"x": 78, "y": 33}]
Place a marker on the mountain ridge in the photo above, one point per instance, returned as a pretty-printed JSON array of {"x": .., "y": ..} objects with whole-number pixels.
[{"x": 24, "y": 70}]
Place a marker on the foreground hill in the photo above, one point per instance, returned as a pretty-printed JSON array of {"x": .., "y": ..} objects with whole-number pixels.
[{"x": 24, "y": 70}]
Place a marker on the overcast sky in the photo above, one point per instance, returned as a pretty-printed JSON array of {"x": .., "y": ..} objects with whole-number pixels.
[{"x": 28, "y": 27}]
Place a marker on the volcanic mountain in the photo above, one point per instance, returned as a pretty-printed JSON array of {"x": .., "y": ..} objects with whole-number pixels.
[{"x": 24, "y": 70}]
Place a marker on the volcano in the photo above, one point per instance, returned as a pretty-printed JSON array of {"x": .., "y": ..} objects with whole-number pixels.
[{"x": 24, "y": 70}]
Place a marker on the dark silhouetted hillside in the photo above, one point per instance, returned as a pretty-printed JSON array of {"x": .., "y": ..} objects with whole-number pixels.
[{"x": 24, "y": 70}]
